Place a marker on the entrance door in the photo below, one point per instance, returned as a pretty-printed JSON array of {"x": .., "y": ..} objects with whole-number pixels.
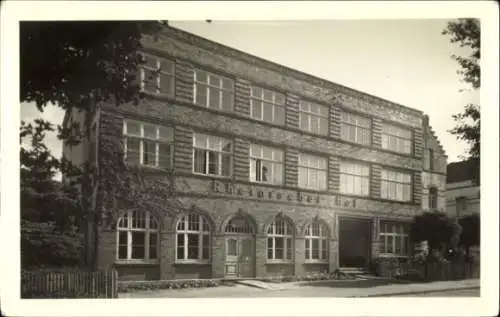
[
  {"x": 354, "y": 242},
  {"x": 240, "y": 256}
]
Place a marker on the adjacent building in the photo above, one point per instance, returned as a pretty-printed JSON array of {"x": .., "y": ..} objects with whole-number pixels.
[
  {"x": 462, "y": 189},
  {"x": 277, "y": 172}
]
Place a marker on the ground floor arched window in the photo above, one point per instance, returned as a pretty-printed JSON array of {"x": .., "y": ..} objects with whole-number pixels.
[
  {"x": 280, "y": 239},
  {"x": 316, "y": 237},
  {"x": 193, "y": 238},
  {"x": 137, "y": 236}
]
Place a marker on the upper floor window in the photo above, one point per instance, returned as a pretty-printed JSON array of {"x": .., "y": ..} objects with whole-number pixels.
[
  {"x": 396, "y": 139},
  {"x": 316, "y": 242},
  {"x": 433, "y": 198},
  {"x": 267, "y": 105},
  {"x": 312, "y": 172},
  {"x": 355, "y": 128},
  {"x": 429, "y": 159},
  {"x": 212, "y": 155},
  {"x": 193, "y": 238},
  {"x": 396, "y": 185},
  {"x": 354, "y": 178},
  {"x": 266, "y": 164},
  {"x": 138, "y": 236},
  {"x": 213, "y": 91},
  {"x": 157, "y": 75},
  {"x": 394, "y": 238},
  {"x": 280, "y": 240},
  {"x": 147, "y": 144},
  {"x": 313, "y": 117},
  {"x": 461, "y": 205}
]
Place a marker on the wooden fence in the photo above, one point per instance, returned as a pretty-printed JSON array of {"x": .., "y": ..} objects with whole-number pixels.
[{"x": 69, "y": 284}]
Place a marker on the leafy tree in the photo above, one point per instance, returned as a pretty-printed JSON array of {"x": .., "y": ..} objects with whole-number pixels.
[
  {"x": 49, "y": 217},
  {"x": 471, "y": 233},
  {"x": 467, "y": 33},
  {"x": 81, "y": 65},
  {"x": 437, "y": 229}
]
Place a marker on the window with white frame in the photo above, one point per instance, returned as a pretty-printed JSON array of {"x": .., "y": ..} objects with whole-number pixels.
[
  {"x": 355, "y": 128},
  {"x": 396, "y": 185},
  {"x": 433, "y": 198},
  {"x": 193, "y": 238},
  {"x": 461, "y": 205},
  {"x": 312, "y": 172},
  {"x": 396, "y": 139},
  {"x": 267, "y": 105},
  {"x": 212, "y": 155},
  {"x": 429, "y": 159},
  {"x": 394, "y": 239},
  {"x": 280, "y": 240},
  {"x": 354, "y": 178},
  {"x": 213, "y": 91},
  {"x": 266, "y": 164},
  {"x": 316, "y": 242},
  {"x": 157, "y": 75},
  {"x": 313, "y": 117},
  {"x": 137, "y": 236},
  {"x": 148, "y": 144}
]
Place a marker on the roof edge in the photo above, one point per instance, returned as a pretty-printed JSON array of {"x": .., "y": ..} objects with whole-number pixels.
[{"x": 246, "y": 57}]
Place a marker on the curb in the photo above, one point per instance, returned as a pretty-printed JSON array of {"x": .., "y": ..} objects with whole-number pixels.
[{"x": 418, "y": 292}]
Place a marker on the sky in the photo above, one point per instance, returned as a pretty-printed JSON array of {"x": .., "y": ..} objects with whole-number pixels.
[{"x": 405, "y": 61}]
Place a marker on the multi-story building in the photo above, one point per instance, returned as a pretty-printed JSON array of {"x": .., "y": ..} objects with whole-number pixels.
[
  {"x": 462, "y": 189},
  {"x": 277, "y": 172}
]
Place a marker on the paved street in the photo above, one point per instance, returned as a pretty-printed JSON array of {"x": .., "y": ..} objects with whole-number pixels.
[
  {"x": 452, "y": 293},
  {"x": 313, "y": 289}
]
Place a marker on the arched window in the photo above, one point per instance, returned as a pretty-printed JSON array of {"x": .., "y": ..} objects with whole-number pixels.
[
  {"x": 240, "y": 224},
  {"x": 193, "y": 238},
  {"x": 317, "y": 241},
  {"x": 280, "y": 240},
  {"x": 137, "y": 236}
]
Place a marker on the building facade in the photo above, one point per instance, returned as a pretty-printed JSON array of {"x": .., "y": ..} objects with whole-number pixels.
[
  {"x": 462, "y": 189},
  {"x": 277, "y": 172}
]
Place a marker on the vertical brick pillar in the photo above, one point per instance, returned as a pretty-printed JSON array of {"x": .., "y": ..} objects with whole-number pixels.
[
  {"x": 418, "y": 143},
  {"x": 292, "y": 111},
  {"x": 184, "y": 81},
  {"x": 375, "y": 180},
  {"x": 242, "y": 97},
  {"x": 375, "y": 243},
  {"x": 333, "y": 254},
  {"x": 335, "y": 119},
  {"x": 260, "y": 255},
  {"x": 291, "y": 167},
  {"x": 167, "y": 255},
  {"x": 299, "y": 255},
  {"x": 377, "y": 132},
  {"x": 333, "y": 174},
  {"x": 183, "y": 153},
  {"x": 218, "y": 255},
  {"x": 241, "y": 159},
  {"x": 417, "y": 187}
]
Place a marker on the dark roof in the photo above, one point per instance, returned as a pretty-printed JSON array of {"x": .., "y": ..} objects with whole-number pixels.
[{"x": 462, "y": 171}]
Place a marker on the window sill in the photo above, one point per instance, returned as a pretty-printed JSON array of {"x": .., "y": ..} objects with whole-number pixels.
[
  {"x": 279, "y": 262},
  {"x": 316, "y": 262},
  {"x": 389, "y": 255},
  {"x": 137, "y": 262},
  {"x": 192, "y": 262},
  {"x": 212, "y": 176}
]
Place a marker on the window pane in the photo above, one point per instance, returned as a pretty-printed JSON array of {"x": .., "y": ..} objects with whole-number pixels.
[
  {"x": 304, "y": 121},
  {"x": 227, "y": 101},
  {"x": 268, "y": 112},
  {"x": 133, "y": 148},
  {"x": 201, "y": 95},
  {"x": 193, "y": 246},
  {"x": 133, "y": 128},
  {"x": 256, "y": 109},
  {"x": 279, "y": 115},
  {"x": 289, "y": 248},
  {"x": 201, "y": 76},
  {"x": 279, "y": 248},
  {"x": 165, "y": 155},
  {"x": 166, "y": 84},
  {"x": 266, "y": 171},
  {"x": 149, "y": 153},
  {"x": 315, "y": 249},
  {"x": 138, "y": 241},
  {"x": 150, "y": 80},
  {"x": 280, "y": 99},
  {"x": 200, "y": 161},
  {"x": 227, "y": 84},
  {"x": 256, "y": 92},
  {"x": 270, "y": 248},
  {"x": 214, "y": 98},
  {"x": 122, "y": 244},
  {"x": 213, "y": 163}
]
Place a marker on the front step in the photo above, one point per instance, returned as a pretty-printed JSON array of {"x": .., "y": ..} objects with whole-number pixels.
[{"x": 354, "y": 270}]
